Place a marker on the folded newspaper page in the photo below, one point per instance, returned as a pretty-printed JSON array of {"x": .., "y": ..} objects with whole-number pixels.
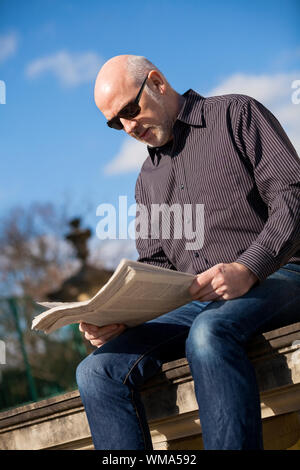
[{"x": 135, "y": 293}]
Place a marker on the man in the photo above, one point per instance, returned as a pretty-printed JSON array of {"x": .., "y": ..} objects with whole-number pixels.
[{"x": 230, "y": 154}]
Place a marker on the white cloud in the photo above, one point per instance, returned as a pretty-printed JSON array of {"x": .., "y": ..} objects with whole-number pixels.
[
  {"x": 274, "y": 91},
  {"x": 130, "y": 158},
  {"x": 69, "y": 68},
  {"x": 8, "y": 46},
  {"x": 262, "y": 87}
]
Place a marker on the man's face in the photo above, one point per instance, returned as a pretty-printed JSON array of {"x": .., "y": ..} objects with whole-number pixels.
[{"x": 152, "y": 126}]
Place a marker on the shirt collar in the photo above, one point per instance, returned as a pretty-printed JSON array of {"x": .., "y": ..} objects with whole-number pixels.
[{"x": 190, "y": 113}]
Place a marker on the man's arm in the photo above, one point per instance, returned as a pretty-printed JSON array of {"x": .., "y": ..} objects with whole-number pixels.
[{"x": 276, "y": 167}]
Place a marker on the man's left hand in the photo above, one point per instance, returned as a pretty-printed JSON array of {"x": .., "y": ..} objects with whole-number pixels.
[{"x": 223, "y": 282}]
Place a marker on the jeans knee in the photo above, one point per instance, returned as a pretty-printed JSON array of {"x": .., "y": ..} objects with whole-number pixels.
[
  {"x": 207, "y": 335},
  {"x": 82, "y": 373},
  {"x": 95, "y": 368}
]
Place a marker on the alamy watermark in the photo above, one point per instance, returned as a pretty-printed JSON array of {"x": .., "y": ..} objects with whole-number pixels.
[
  {"x": 2, "y": 352},
  {"x": 159, "y": 221},
  {"x": 2, "y": 92},
  {"x": 296, "y": 94}
]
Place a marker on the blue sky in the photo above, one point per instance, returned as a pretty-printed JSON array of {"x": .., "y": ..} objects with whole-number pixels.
[{"x": 55, "y": 143}]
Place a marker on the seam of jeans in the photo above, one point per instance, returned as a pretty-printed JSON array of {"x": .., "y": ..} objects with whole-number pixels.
[
  {"x": 139, "y": 419},
  {"x": 291, "y": 270},
  {"x": 147, "y": 352}
]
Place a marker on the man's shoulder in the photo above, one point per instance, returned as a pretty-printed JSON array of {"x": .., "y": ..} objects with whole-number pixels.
[{"x": 229, "y": 99}]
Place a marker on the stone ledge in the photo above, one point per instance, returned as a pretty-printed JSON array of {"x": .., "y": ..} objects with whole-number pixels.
[{"x": 60, "y": 422}]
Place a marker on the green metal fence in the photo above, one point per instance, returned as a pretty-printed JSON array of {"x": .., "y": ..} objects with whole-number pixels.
[{"x": 33, "y": 365}]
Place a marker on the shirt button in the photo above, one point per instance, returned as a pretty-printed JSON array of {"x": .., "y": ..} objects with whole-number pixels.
[
  {"x": 196, "y": 255},
  {"x": 182, "y": 186}
]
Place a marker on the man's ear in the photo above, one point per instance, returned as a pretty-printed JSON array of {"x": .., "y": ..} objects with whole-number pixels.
[{"x": 156, "y": 82}]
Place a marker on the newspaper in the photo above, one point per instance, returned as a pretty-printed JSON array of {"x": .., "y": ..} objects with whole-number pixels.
[{"x": 135, "y": 293}]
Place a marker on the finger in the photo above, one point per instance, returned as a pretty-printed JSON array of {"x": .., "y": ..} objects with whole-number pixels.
[
  {"x": 90, "y": 337},
  {"x": 97, "y": 343},
  {"x": 83, "y": 327},
  {"x": 201, "y": 281},
  {"x": 96, "y": 330},
  {"x": 216, "y": 285},
  {"x": 100, "y": 335},
  {"x": 100, "y": 341},
  {"x": 195, "y": 287},
  {"x": 203, "y": 291},
  {"x": 113, "y": 334}
]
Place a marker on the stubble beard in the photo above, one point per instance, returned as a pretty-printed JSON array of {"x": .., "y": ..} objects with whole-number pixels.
[
  {"x": 163, "y": 135},
  {"x": 163, "y": 132}
]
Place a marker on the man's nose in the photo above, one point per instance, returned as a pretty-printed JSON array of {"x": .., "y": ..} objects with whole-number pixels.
[{"x": 129, "y": 125}]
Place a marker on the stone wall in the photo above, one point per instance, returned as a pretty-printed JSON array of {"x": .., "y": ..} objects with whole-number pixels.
[{"x": 60, "y": 422}]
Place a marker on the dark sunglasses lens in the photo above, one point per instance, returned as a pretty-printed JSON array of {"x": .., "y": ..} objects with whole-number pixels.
[
  {"x": 115, "y": 123},
  {"x": 130, "y": 111}
]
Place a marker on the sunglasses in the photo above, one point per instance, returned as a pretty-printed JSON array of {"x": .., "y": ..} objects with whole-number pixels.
[{"x": 130, "y": 111}]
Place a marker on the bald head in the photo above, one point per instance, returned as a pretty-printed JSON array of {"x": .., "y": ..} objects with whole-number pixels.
[
  {"x": 118, "y": 83},
  {"x": 120, "y": 74},
  {"x": 111, "y": 76}
]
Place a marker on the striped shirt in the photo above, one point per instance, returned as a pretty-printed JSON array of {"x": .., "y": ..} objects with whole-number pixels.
[{"x": 231, "y": 155}]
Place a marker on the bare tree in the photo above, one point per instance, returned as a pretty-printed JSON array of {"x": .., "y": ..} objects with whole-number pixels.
[{"x": 34, "y": 259}]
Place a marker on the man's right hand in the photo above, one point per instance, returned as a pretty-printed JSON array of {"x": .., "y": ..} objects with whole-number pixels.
[{"x": 100, "y": 335}]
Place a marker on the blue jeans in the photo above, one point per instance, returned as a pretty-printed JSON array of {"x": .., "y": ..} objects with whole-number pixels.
[{"x": 213, "y": 337}]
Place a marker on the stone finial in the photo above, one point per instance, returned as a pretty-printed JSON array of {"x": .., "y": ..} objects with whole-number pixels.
[{"x": 79, "y": 237}]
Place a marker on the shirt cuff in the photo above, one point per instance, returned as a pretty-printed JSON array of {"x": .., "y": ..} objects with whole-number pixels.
[{"x": 259, "y": 261}]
